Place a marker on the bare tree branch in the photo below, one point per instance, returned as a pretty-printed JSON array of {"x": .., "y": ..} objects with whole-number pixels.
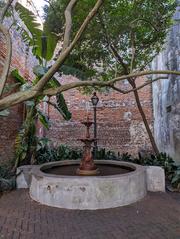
[
  {"x": 54, "y": 91},
  {"x": 145, "y": 84},
  {"x": 139, "y": 87},
  {"x": 118, "y": 89},
  {"x": 7, "y": 63},
  {"x": 68, "y": 25},
  {"x": 19, "y": 97}
]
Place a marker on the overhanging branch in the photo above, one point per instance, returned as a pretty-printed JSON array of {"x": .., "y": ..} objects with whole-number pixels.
[
  {"x": 68, "y": 25},
  {"x": 40, "y": 85},
  {"x": 139, "y": 87},
  {"x": 19, "y": 97}
]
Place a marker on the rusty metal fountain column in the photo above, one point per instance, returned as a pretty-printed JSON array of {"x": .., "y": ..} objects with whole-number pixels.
[{"x": 87, "y": 166}]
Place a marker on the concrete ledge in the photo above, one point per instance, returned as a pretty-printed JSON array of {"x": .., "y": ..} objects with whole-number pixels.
[
  {"x": 23, "y": 176},
  {"x": 95, "y": 192},
  {"x": 155, "y": 178}
]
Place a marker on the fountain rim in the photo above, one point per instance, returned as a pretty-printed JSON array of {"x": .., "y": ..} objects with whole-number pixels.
[{"x": 37, "y": 171}]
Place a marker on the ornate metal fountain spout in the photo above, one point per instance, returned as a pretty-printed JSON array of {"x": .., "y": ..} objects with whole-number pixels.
[{"x": 87, "y": 165}]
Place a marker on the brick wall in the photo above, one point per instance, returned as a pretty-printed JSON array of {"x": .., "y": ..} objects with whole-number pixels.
[
  {"x": 120, "y": 126},
  {"x": 9, "y": 126},
  {"x": 119, "y": 123}
]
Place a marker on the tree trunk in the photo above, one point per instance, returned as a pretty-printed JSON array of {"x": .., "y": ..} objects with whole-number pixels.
[{"x": 151, "y": 137}]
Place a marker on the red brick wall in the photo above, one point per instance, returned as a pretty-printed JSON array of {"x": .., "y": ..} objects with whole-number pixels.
[
  {"x": 120, "y": 126},
  {"x": 9, "y": 126}
]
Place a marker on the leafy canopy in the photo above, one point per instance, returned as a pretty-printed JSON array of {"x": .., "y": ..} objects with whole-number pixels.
[{"x": 132, "y": 27}]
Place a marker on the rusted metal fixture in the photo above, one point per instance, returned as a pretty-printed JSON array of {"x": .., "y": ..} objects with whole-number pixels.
[{"x": 87, "y": 166}]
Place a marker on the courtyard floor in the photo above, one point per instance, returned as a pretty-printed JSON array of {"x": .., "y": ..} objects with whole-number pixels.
[{"x": 157, "y": 216}]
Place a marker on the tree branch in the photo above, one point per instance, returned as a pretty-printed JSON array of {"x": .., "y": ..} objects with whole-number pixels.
[
  {"x": 139, "y": 87},
  {"x": 145, "y": 84},
  {"x": 7, "y": 63},
  {"x": 68, "y": 25},
  {"x": 144, "y": 20},
  {"x": 52, "y": 104},
  {"x": 40, "y": 85},
  {"x": 133, "y": 49},
  {"x": 19, "y": 97},
  {"x": 118, "y": 89},
  {"x": 54, "y": 91},
  {"x": 5, "y": 9},
  {"x": 119, "y": 59}
]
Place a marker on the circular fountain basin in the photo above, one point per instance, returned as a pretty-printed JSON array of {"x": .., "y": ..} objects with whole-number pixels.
[{"x": 118, "y": 184}]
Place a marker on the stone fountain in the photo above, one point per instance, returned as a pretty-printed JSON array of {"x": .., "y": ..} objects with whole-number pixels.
[{"x": 89, "y": 184}]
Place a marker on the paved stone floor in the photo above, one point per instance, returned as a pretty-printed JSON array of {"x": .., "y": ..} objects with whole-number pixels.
[{"x": 157, "y": 216}]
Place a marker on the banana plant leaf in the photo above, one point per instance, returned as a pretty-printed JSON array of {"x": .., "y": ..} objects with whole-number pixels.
[
  {"x": 43, "y": 42},
  {"x": 60, "y": 105},
  {"x": 43, "y": 119}
]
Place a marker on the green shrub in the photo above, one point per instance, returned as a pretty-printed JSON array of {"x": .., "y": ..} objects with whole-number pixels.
[
  {"x": 7, "y": 178},
  {"x": 175, "y": 178},
  {"x": 45, "y": 154},
  {"x": 106, "y": 155},
  {"x": 162, "y": 160}
]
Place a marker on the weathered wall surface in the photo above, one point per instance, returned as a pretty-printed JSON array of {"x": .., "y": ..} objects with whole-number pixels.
[
  {"x": 9, "y": 126},
  {"x": 166, "y": 95},
  {"x": 119, "y": 123}
]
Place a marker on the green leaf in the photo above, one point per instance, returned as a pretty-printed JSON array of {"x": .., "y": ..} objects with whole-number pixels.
[
  {"x": 49, "y": 45},
  {"x": 53, "y": 83},
  {"x": 118, "y": 23},
  {"x": 62, "y": 106},
  {"x": 74, "y": 71},
  {"x": 176, "y": 178},
  {"x": 40, "y": 71},
  {"x": 43, "y": 119},
  {"x": 43, "y": 42},
  {"x": 33, "y": 27},
  {"x": 15, "y": 73},
  {"x": 44, "y": 46}
]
